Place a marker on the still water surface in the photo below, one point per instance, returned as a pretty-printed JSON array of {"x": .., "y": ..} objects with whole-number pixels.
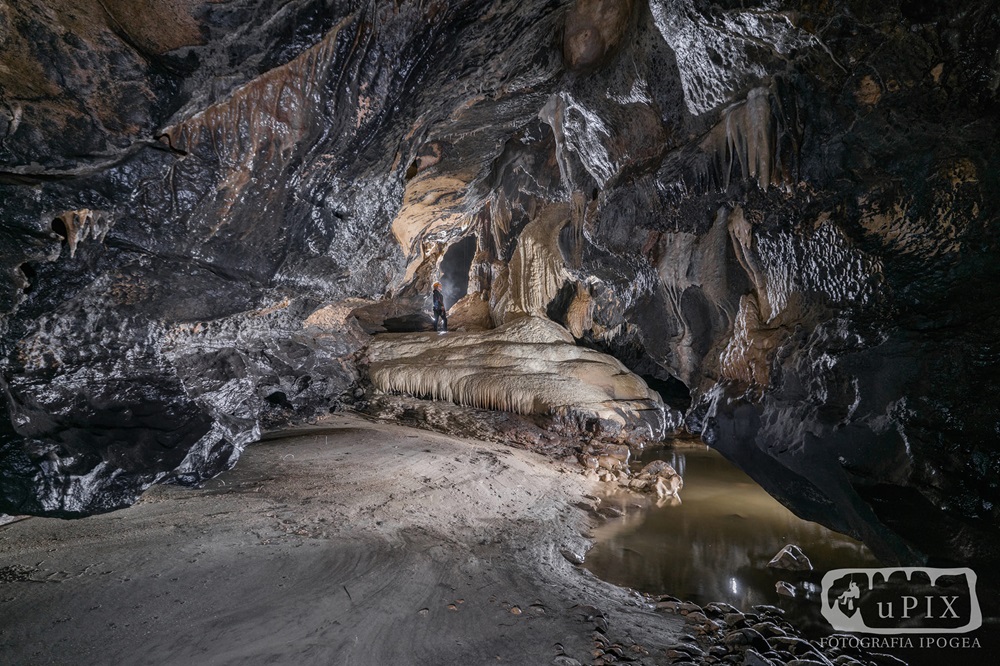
[{"x": 715, "y": 544}]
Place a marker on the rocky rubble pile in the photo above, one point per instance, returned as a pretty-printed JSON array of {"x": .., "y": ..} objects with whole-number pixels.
[
  {"x": 722, "y": 634},
  {"x": 610, "y": 464}
]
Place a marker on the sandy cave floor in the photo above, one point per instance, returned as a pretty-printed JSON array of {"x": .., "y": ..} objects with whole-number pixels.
[{"x": 350, "y": 542}]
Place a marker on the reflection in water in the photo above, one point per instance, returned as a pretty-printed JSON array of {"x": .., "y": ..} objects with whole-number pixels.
[{"x": 715, "y": 544}]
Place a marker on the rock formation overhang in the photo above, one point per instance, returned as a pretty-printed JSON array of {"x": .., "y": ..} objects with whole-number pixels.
[
  {"x": 790, "y": 208},
  {"x": 530, "y": 366}
]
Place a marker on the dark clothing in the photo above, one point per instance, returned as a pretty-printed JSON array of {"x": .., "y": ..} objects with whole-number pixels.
[
  {"x": 440, "y": 315},
  {"x": 440, "y": 312}
]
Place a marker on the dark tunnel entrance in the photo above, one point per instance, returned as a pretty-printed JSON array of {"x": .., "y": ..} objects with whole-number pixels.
[
  {"x": 455, "y": 267},
  {"x": 672, "y": 390}
]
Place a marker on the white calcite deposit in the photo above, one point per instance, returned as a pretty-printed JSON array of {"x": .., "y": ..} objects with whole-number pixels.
[{"x": 529, "y": 366}]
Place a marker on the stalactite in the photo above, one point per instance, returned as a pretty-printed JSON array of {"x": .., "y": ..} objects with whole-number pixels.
[
  {"x": 75, "y": 226},
  {"x": 746, "y": 143}
]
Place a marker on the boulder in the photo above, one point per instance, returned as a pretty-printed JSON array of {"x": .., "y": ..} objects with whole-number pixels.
[{"x": 790, "y": 558}]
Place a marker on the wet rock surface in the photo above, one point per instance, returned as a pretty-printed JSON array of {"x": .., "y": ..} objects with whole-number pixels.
[
  {"x": 783, "y": 208},
  {"x": 721, "y": 634},
  {"x": 791, "y": 558}
]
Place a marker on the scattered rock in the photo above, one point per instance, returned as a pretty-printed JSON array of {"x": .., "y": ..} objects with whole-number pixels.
[
  {"x": 735, "y": 620},
  {"x": 768, "y": 610},
  {"x": 563, "y": 660},
  {"x": 691, "y": 650},
  {"x": 695, "y": 617},
  {"x": 753, "y": 658},
  {"x": 688, "y": 607},
  {"x": 844, "y": 660},
  {"x": 15, "y": 573},
  {"x": 791, "y": 558},
  {"x": 784, "y": 589},
  {"x": 610, "y": 512},
  {"x": 620, "y": 452},
  {"x": 572, "y": 557},
  {"x": 798, "y": 647},
  {"x": 609, "y": 463},
  {"x": 746, "y": 637},
  {"x": 668, "y": 487},
  {"x": 639, "y": 485},
  {"x": 654, "y": 468},
  {"x": 678, "y": 657},
  {"x": 769, "y": 629},
  {"x": 720, "y": 608}
]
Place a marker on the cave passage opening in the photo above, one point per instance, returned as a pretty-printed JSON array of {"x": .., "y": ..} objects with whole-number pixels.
[
  {"x": 672, "y": 391},
  {"x": 454, "y": 269},
  {"x": 29, "y": 273}
]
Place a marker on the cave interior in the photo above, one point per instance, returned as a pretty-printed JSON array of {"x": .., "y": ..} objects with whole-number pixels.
[{"x": 766, "y": 224}]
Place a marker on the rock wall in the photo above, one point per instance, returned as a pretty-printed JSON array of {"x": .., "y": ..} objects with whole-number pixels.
[{"x": 784, "y": 207}]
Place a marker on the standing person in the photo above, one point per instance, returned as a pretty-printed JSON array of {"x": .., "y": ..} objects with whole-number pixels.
[{"x": 440, "y": 311}]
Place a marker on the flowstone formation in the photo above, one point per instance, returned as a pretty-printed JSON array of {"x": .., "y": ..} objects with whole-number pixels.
[
  {"x": 530, "y": 366},
  {"x": 777, "y": 214}
]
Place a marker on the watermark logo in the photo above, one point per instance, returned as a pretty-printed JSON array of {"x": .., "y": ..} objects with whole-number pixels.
[{"x": 903, "y": 600}]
